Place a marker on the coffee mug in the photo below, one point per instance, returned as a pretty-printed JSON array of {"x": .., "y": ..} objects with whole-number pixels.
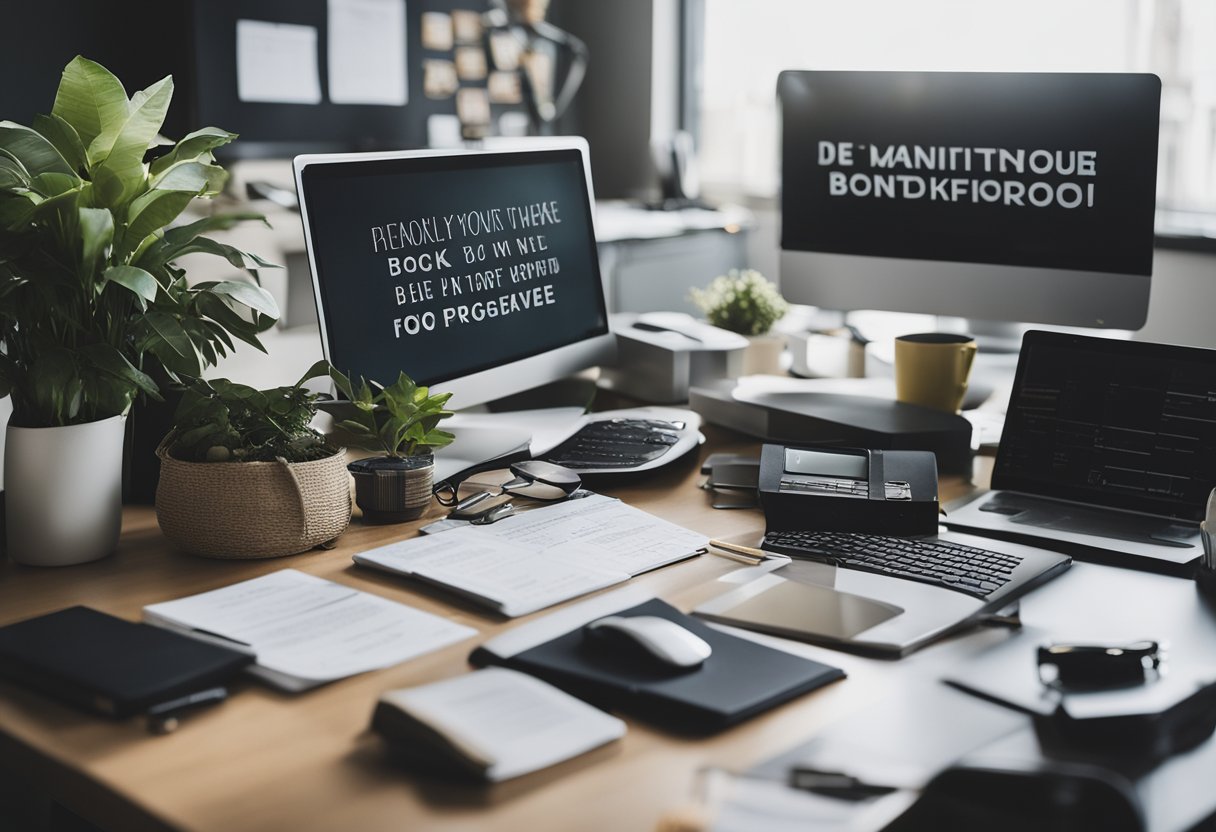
[{"x": 931, "y": 369}]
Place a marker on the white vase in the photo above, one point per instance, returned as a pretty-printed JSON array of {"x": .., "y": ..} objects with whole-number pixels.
[
  {"x": 763, "y": 355},
  {"x": 63, "y": 492}
]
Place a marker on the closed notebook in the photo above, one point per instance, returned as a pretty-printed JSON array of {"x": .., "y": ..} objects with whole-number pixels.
[
  {"x": 108, "y": 665},
  {"x": 491, "y": 725},
  {"x": 740, "y": 679}
]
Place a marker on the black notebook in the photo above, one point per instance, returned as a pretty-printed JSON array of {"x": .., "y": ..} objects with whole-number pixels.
[
  {"x": 739, "y": 680},
  {"x": 108, "y": 665}
]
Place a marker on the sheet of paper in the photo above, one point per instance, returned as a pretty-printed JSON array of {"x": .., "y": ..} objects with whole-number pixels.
[
  {"x": 600, "y": 531},
  {"x": 277, "y": 63},
  {"x": 309, "y": 628},
  {"x": 517, "y": 578},
  {"x": 513, "y": 721},
  {"x": 367, "y": 52}
]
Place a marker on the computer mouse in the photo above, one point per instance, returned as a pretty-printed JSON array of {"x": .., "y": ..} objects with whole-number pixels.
[{"x": 652, "y": 637}]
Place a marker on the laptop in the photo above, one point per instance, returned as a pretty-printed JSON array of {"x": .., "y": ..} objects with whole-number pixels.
[
  {"x": 872, "y": 593},
  {"x": 1108, "y": 452}
]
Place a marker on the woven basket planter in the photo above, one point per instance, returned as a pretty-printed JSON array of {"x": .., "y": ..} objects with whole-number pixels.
[{"x": 252, "y": 509}]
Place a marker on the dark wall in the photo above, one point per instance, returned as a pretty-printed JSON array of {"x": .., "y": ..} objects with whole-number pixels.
[
  {"x": 613, "y": 107},
  {"x": 42, "y": 36}
]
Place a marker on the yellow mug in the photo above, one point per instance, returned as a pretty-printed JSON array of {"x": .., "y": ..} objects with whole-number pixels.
[{"x": 931, "y": 369}]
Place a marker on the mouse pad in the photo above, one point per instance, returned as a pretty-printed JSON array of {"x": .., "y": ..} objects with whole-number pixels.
[{"x": 740, "y": 678}]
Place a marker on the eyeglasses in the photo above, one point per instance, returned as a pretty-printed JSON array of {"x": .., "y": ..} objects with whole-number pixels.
[
  {"x": 1080, "y": 667},
  {"x": 470, "y": 495}
]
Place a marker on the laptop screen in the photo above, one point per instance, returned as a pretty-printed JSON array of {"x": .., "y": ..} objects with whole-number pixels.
[{"x": 1119, "y": 424}]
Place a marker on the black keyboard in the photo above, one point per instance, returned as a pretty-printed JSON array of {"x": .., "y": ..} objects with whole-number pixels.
[
  {"x": 967, "y": 569},
  {"x": 617, "y": 443}
]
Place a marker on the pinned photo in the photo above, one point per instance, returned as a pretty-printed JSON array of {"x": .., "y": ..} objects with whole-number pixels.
[
  {"x": 504, "y": 88},
  {"x": 470, "y": 63},
  {"x": 505, "y": 50},
  {"x": 473, "y": 106},
  {"x": 439, "y": 79},
  {"x": 437, "y": 31},
  {"x": 466, "y": 25}
]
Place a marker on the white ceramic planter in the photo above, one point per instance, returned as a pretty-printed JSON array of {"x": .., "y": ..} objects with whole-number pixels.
[{"x": 63, "y": 492}]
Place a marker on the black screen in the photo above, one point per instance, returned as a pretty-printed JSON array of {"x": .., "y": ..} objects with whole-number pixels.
[
  {"x": 1045, "y": 170},
  {"x": 444, "y": 266},
  {"x": 1116, "y": 423}
]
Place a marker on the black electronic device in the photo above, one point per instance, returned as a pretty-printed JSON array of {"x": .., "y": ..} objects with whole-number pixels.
[
  {"x": 848, "y": 490},
  {"x": 111, "y": 666},
  {"x": 838, "y": 420}
]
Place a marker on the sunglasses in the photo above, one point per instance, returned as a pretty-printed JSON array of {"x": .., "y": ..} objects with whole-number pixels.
[
  {"x": 531, "y": 478},
  {"x": 1081, "y": 667}
]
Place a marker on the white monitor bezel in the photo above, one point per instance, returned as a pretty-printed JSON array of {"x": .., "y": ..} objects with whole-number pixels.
[{"x": 503, "y": 380}]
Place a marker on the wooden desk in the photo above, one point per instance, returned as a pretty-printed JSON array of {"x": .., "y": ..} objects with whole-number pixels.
[{"x": 267, "y": 760}]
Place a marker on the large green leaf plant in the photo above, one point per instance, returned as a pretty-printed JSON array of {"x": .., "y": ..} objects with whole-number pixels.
[{"x": 91, "y": 297}]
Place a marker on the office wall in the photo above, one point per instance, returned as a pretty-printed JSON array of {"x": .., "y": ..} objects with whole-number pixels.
[
  {"x": 1182, "y": 305},
  {"x": 629, "y": 95}
]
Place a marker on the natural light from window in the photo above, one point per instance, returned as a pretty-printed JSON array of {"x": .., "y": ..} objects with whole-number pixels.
[{"x": 748, "y": 43}]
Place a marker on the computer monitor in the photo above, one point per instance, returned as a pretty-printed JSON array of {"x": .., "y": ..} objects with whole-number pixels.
[
  {"x": 473, "y": 272},
  {"x": 997, "y": 196}
]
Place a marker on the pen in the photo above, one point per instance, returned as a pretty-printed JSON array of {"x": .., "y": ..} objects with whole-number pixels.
[
  {"x": 736, "y": 551},
  {"x": 166, "y": 717}
]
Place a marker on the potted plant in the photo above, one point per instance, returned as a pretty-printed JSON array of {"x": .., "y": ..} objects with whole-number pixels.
[
  {"x": 245, "y": 475},
  {"x": 91, "y": 300},
  {"x": 400, "y": 421},
  {"x": 744, "y": 301}
]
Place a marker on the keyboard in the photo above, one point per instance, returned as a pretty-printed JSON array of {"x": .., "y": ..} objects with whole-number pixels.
[
  {"x": 618, "y": 443},
  {"x": 966, "y": 569}
]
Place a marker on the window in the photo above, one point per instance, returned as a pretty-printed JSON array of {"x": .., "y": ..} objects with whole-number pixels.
[{"x": 746, "y": 44}]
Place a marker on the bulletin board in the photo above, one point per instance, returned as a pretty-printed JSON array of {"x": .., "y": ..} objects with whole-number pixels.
[{"x": 279, "y": 128}]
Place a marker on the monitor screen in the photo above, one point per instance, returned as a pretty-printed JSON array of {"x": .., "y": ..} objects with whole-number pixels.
[
  {"x": 476, "y": 272},
  {"x": 1003, "y": 196}
]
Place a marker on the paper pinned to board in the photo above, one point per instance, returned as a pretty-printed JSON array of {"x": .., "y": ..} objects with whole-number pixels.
[
  {"x": 367, "y": 53},
  {"x": 276, "y": 63}
]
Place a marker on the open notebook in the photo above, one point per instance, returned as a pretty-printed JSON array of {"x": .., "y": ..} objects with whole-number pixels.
[{"x": 542, "y": 557}]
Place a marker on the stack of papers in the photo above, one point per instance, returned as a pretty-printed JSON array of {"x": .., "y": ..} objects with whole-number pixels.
[
  {"x": 304, "y": 630},
  {"x": 542, "y": 557}
]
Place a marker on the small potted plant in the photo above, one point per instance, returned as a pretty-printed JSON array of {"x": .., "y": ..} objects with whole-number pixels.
[
  {"x": 244, "y": 475},
  {"x": 744, "y": 301},
  {"x": 93, "y": 303},
  {"x": 400, "y": 421}
]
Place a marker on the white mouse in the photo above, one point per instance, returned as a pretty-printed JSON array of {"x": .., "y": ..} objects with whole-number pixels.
[{"x": 652, "y": 636}]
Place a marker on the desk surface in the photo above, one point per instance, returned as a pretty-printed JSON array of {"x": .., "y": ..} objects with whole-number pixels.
[{"x": 267, "y": 760}]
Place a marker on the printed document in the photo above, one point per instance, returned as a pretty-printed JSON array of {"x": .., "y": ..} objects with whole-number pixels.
[{"x": 305, "y": 630}]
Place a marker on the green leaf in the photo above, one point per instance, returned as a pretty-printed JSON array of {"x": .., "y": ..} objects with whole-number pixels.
[
  {"x": 65, "y": 139},
  {"x": 50, "y": 183},
  {"x": 317, "y": 370},
  {"x": 170, "y": 343},
  {"x": 193, "y": 146},
  {"x": 182, "y": 234},
  {"x": 32, "y": 149},
  {"x": 218, "y": 310},
  {"x": 90, "y": 99},
  {"x": 96, "y": 233},
  {"x": 192, "y": 176},
  {"x": 124, "y": 157},
  {"x": 12, "y": 173},
  {"x": 247, "y": 294},
  {"x": 135, "y": 279},
  {"x": 110, "y": 360},
  {"x": 149, "y": 212}
]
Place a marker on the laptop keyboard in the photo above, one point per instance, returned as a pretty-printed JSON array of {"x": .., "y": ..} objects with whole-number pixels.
[
  {"x": 966, "y": 569},
  {"x": 617, "y": 443}
]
